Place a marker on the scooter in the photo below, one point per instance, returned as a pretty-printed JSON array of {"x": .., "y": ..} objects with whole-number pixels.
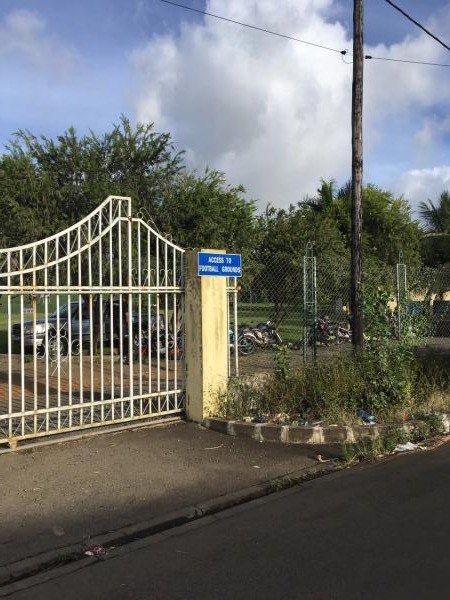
[{"x": 265, "y": 335}]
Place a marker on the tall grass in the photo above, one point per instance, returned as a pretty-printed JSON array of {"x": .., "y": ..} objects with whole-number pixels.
[{"x": 386, "y": 383}]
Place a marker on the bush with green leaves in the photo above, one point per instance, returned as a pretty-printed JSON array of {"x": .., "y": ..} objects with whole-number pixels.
[{"x": 373, "y": 448}]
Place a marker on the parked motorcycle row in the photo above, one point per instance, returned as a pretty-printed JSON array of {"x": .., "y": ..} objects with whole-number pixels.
[
  {"x": 265, "y": 335},
  {"x": 250, "y": 338},
  {"x": 325, "y": 333}
]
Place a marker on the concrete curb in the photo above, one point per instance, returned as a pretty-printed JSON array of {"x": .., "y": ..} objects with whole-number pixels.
[
  {"x": 37, "y": 569},
  {"x": 304, "y": 434}
]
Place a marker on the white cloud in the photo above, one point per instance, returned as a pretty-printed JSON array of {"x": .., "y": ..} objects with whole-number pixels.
[
  {"x": 422, "y": 184},
  {"x": 432, "y": 128},
  {"x": 272, "y": 113},
  {"x": 24, "y": 36}
]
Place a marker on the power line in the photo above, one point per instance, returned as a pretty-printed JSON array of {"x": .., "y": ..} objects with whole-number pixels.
[
  {"x": 417, "y": 23},
  {"x": 401, "y": 60},
  {"x": 294, "y": 39},
  {"x": 282, "y": 35}
]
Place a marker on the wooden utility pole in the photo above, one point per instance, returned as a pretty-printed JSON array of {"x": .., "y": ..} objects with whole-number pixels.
[{"x": 357, "y": 172}]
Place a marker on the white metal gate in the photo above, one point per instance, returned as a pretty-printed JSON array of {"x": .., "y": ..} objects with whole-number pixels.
[{"x": 91, "y": 327}]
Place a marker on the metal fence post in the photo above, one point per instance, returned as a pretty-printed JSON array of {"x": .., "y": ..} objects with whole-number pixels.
[
  {"x": 309, "y": 303},
  {"x": 402, "y": 293}
]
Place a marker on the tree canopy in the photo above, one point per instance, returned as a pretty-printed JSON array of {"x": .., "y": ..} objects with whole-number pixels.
[
  {"x": 48, "y": 184},
  {"x": 436, "y": 216},
  {"x": 436, "y": 241}
]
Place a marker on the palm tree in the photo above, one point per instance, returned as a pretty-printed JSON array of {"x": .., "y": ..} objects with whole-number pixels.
[
  {"x": 436, "y": 217},
  {"x": 326, "y": 194}
]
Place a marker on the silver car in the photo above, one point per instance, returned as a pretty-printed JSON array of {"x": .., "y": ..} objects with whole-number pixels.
[{"x": 64, "y": 327}]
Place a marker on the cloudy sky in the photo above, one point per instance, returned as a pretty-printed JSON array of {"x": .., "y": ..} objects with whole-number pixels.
[{"x": 273, "y": 114}]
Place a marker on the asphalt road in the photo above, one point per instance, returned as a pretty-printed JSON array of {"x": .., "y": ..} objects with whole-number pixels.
[{"x": 381, "y": 531}]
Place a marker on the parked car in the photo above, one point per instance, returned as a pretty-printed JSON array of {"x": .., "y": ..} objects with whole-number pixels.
[{"x": 65, "y": 324}]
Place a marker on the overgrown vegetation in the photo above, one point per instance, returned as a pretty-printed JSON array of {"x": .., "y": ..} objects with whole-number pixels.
[
  {"x": 372, "y": 448},
  {"x": 389, "y": 378},
  {"x": 333, "y": 391}
]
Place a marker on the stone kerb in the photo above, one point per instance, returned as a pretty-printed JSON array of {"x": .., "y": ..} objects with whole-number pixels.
[{"x": 303, "y": 434}]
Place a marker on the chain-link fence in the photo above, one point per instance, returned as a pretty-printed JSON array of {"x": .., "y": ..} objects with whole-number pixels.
[
  {"x": 300, "y": 306},
  {"x": 429, "y": 297}
]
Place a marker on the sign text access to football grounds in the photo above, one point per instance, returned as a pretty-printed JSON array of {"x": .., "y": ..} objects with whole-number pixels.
[{"x": 219, "y": 265}]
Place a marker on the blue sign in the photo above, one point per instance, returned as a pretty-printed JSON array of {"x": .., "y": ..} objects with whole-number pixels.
[{"x": 221, "y": 265}]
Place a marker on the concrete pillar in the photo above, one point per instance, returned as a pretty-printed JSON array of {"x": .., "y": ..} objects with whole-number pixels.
[{"x": 207, "y": 339}]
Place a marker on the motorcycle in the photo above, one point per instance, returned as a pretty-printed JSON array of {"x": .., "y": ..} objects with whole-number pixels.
[
  {"x": 246, "y": 343},
  {"x": 343, "y": 334},
  {"x": 264, "y": 335},
  {"x": 160, "y": 343},
  {"x": 326, "y": 334}
]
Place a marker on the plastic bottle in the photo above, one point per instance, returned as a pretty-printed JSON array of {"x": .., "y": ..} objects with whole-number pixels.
[{"x": 366, "y": 416}]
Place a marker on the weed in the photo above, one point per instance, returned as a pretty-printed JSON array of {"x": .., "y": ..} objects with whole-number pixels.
[
  {"x": 370, "y": 449},
  {"x": 428, "y": 425},
  {"x": 283, "y": 362},
  {"x": 281, "y": 483},
  {"x": 366, "y": 449},
  {"x": 392, "y": 437}
]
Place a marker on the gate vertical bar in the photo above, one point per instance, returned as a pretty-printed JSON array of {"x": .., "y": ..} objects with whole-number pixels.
[
  {"x": 232, "y": 291},
  {"x": 69, "y": 301},
  {"x": 100, "y": 316},
  {"x": 149, "y": 317},
  {"x": 139, "y": 338},
  {"x": 35, "y": 369},
  {"x": 113, "y": 326},
  {"x": 130, "y": 306},
  {"x": 10, "y": 389},
  {"x": 22, "y": 346},
  {"x": 47, "y": 365}
]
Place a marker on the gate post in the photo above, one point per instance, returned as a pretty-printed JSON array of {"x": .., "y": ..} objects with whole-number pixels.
[{"x": 206, "y": 338}]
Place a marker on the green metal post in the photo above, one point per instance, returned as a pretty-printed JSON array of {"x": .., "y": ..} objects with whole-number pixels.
[
  {"x": 309, "y": 303},
  {"x": 402, "y": 293}
]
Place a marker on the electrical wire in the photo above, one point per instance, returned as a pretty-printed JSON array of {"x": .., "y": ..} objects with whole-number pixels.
[
  {"x": 401, "y": 60},
  {"x": 282, "y": 35},
  {"x": 294, "y": 39},
  {"x": 417, "y": 23}
]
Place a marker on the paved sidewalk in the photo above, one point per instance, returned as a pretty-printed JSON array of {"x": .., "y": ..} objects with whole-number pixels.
[{"x": 57, "y": 495}]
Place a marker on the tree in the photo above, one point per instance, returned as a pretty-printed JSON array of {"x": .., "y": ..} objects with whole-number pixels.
[
  {"x": 436, "y": 217},
  {"x": 278, "y": 259},
  {"x": 326, "y": 195},
  {"x": 388, "y": 226},
  {"x": 436, "y": 241},
  {"x": 46, "y": 184},
  {"x": 206, "y": 211}
]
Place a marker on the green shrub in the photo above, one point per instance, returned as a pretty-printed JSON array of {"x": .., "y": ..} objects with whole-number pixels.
[
  {"x": 428, "y": 425},
  {"x": 283, "y": 362},
  {"x": 387, "y": 373}
]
